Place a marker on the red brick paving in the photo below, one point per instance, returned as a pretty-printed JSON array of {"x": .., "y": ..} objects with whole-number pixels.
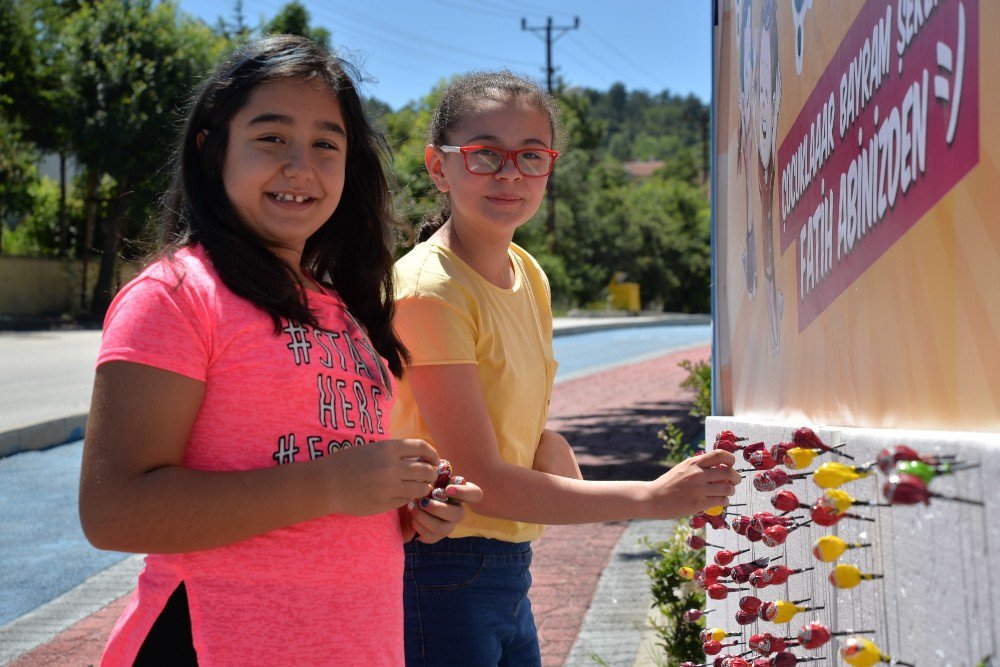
[{"x": 612, "y": 419}]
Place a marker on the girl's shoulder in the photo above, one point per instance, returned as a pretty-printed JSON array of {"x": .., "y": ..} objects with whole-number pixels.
[
  {"x": 184, "y": 275},
  {"x": 426, "y": 269}
]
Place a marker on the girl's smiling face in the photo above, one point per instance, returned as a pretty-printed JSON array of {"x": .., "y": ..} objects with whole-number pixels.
[
  {"x": 498, "y": 203},
  {"x": 285, "y": 162}
]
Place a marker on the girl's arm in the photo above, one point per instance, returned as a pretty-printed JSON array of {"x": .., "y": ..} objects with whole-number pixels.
[
  {"x": 555, "y": 456},
  {"x": 136, "y": 497},
  {"x": 452, "y": 404}
]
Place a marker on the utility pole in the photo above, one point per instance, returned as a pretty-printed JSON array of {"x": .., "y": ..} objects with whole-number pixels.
[{"x": 550, "y": 218}]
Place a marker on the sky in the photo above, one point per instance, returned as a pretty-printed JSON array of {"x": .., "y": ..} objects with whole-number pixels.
[{"x": 405, "y": 47}]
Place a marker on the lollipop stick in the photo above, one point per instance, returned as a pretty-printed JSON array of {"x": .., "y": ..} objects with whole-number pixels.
[{"x": 968, "y": 501}]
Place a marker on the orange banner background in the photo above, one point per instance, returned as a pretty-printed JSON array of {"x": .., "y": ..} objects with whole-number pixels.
[{"x": 914, "y": 340}]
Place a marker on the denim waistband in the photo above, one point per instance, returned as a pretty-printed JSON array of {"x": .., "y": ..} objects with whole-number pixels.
[{"x": 469, "y": 545}]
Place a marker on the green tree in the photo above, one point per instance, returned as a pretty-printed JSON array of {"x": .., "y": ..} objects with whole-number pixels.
[
  {"x": 132, "y": 66},
  {"x": 293, "y": 19}
]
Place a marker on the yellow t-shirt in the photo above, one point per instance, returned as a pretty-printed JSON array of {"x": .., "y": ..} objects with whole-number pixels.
[{"x": 446, "y": 313}]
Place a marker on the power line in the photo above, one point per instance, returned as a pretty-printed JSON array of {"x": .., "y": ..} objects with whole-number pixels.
[{"x": 550, "y": 218}]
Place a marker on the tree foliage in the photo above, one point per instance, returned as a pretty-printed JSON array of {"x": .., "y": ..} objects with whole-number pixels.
[{"x": 102, "y": 83}]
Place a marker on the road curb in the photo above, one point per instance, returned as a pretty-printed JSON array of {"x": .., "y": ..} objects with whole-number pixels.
[
  {"x": 564, "y": 328},
  {"x": 43, "y": 435},
  {"x": 53, "y": 433}
]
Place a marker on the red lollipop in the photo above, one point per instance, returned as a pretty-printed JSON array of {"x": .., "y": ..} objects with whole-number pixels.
[
  {"x": 906, "y": 489},
  {"x": 826, "y": 515},
  {"x": 754, "y": 535},
  {"x": 750, "y": 449},
  {"x": 888, "y": 458},
  {"x": 697, "y": 542},
  {"x": 713, "y": 647},
  {"x": 750, "y": 603},
  {"x": 741, "y": 573},
  {"x": 715, "y": 571},
  {"x": 728, "y": 435},
  {"x": 740, "y": 524},
  {"x": 744, "y": 617},
  {"x": 762, "y": 520},
  {"x": 697, "y": 521},
  {"x": 761, "y": 460},
  {"x": 443, "y": 473},
  {"x": 692, "y": 615},
  {"x": 806, "y": 437},
  {"x": 778, "y": 451},
  {"x": 736, "y": 661},
  {"x": 775, "y": 536},
  {"x": 717, "y": 522},
  {"x": 725, "y": 557},
  {"x": 815, "y": 634},
  {"x": 770, "y": 480},
  {"x": 786, "y": 659},
  {"x": 776, "y": 575},
  {"x": 765, "y": 643},
  {"x": 786, "y": 501},
  {"x": 720, "y": 591}
]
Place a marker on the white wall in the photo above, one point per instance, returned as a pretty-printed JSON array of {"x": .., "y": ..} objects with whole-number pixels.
[{"x": 939, "y": 601}]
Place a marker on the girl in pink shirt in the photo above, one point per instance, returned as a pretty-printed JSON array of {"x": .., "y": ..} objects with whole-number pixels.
[{"x": 238, "y": 427}]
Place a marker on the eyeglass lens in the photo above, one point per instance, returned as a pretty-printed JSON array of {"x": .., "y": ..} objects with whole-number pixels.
[{"x": 528, "y": 162}]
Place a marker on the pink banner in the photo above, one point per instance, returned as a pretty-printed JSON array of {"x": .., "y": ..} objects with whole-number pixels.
[{"x": 890, "y": 127}]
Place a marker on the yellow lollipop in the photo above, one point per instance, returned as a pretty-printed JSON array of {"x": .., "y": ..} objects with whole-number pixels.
[
  {"x": 849, "y": 576},
  {"x": 786, "y": 610},
  {"x": 841, "y": 499},
  {"x": 798, "y": 458},
  {"x": 863, "y": 653},
  {"x": 715, "y": 511},
  {"x": 686, "y": 573},
  {"x": 713, "y": 634},
  {"x": 830, "y": 547},
  {"x": 832, "y": 474}
]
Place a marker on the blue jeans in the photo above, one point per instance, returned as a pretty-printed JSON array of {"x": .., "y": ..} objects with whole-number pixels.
[{"x": 466, "y": 602}]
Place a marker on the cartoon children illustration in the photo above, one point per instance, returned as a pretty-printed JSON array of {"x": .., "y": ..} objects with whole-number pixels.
[
  {"x": 744, "y": 144},
  {"x": 768, "y": 77}
]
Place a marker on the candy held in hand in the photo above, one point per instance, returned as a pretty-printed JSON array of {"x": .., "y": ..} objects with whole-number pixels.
[
  {"x": 443, "y": 479},
  {"x": 443, "y": 473}
]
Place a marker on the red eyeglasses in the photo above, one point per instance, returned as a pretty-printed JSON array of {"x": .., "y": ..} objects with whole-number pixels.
[{"x": 487, "y": 160}]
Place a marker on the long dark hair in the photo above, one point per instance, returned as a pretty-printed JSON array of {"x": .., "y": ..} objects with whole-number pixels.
[
  {"x": 466, "y": 95},
  {"x": 351, "y": 250}
]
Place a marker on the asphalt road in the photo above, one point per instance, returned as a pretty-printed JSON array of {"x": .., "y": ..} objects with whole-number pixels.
[{"x": 45, "y": 375}]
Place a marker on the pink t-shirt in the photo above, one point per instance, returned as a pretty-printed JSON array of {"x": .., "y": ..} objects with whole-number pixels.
[{"x": 323, "y": 592}]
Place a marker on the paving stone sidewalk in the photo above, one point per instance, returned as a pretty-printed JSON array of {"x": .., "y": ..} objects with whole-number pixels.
[{"x": 612, "y": 419}]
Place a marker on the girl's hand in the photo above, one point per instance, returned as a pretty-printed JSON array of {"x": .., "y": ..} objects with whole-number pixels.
[
  {"x": 433, "y": 520},
  {"x": 693, "y": 485},
  {"x": 555, "y": 456},
  {"x": 380, "y": 476}
]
